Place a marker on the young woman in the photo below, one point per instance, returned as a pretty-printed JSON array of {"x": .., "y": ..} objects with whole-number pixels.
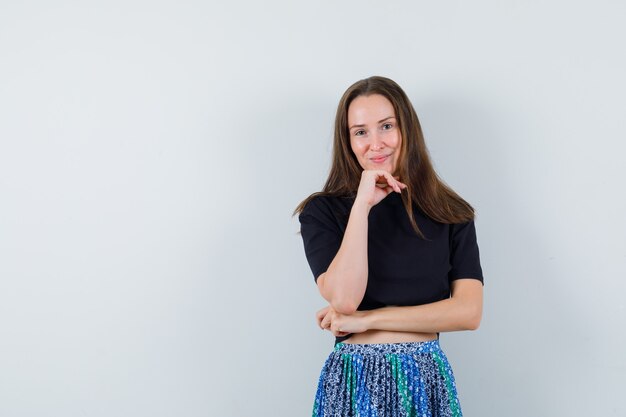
[{"x": 393, "y": 250}]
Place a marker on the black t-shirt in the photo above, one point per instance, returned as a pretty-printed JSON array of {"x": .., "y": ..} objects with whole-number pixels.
[{"x": 403, "y": 268}]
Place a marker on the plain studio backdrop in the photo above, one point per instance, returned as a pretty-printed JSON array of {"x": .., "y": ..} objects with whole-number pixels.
[{"x": 152, "y": 154}]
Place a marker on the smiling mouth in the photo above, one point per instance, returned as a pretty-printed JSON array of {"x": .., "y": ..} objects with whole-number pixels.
[{"x": 379, "y": 159}]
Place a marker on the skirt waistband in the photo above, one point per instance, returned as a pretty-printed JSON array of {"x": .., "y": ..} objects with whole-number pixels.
[{"x": 428, "y": 346}]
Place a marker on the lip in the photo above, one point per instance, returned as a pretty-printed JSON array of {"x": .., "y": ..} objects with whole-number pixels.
[{"x": 379, "y": 159}]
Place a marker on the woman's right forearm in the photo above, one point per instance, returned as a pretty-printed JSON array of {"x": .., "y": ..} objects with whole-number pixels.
[{"x": 345, "y": 279}]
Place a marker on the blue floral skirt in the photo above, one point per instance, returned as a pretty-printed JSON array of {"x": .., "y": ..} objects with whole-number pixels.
[{"x": 387, "y": 380}]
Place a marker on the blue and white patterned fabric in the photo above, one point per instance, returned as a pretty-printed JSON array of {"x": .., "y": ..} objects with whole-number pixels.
[{"x": 408, "y": 379}]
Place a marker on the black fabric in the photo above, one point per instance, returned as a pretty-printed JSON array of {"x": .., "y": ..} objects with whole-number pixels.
[{"x": 404, "y": 269}]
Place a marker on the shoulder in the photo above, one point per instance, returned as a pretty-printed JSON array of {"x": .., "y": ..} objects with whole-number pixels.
[
  {"x": 327, "y": 206},
  {"x": 463, "y": 226},
  {"x": 326, "y": 211},
  {"x": 463, "y": 236}
]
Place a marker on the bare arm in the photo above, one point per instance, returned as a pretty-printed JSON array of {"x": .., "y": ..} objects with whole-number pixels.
[
  {"x": 344, "y": 282},
  {"x": 462, "y": 311}
]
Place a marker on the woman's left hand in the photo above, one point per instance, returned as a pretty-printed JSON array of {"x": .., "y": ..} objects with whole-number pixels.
[{"x": 341, "y": 324}]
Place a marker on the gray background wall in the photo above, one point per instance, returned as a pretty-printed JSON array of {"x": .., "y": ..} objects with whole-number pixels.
[{"x": 151, "y": 154}]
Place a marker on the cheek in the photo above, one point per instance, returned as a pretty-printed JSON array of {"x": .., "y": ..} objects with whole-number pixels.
[
  {"x": 357, "y": 147},
  {"x": 398, "y": 139},
  {"x": 356, "y": 151}
]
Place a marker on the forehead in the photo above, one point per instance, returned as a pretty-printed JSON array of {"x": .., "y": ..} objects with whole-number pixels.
[{"x": 369, "y": 109}]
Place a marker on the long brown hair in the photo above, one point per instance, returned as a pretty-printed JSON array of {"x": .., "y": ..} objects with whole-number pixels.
[{"x": 424, "y": 187}]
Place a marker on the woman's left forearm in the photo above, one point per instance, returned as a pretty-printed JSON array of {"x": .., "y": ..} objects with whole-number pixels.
[{"x": 441, "y": 316}]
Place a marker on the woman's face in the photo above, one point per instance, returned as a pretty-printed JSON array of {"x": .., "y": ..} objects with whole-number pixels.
[{"x": 375, "y": 136}]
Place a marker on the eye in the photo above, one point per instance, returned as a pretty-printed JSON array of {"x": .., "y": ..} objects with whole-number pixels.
[
  {"x": 387, "y": 126},
  {"x": 359, "y": 132}
]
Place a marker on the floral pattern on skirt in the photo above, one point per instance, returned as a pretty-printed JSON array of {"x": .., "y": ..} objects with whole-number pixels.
[{"x": 408, "y": 379}]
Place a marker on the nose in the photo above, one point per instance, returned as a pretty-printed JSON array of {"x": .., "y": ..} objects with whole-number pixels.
[{"x": 377, "y": 141}]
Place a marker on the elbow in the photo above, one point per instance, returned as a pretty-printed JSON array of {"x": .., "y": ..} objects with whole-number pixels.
[
  {"x": 472, "y": 318},
  {"x": 344, "y": 306},
  {"x": 345, "y": 303},
  {"x": 473, "y": 324}
]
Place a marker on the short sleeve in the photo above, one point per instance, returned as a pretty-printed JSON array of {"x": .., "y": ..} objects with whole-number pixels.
[
  {"x": 464, "y": 252},
  {"x": 321, "y": 236}
]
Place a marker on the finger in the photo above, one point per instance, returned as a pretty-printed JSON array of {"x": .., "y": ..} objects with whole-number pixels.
[
  {"x": 324, "y": 323},
  {"x": 321, "y": 317},
  {"x": 392, "y": 181},
  {"x": 397, "y": 178},
  {"x": 329, "y": 320},
  {"x": 339, "y": 333},
  {"x": 383, "y": 179},
  {"x": 397, "y": 185},
  {"x": 336, "y": 325}
]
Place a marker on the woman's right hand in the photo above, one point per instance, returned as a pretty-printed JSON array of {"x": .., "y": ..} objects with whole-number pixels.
[{"x": 376, "y": 184}]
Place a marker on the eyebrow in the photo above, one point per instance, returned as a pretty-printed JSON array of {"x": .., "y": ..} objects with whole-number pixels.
[{"x": 380, "y": 121}]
